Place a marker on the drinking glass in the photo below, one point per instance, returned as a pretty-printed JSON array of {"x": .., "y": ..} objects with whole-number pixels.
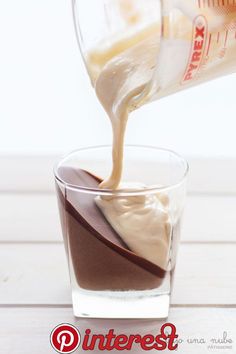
[{"x": 113, "y": 277}]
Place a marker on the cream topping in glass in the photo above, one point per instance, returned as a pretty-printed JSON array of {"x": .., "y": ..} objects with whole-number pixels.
[{"x": 142, "y": 221}]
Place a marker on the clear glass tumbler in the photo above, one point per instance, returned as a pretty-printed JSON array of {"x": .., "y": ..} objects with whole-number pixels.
[{"x": 113, "y": 276}]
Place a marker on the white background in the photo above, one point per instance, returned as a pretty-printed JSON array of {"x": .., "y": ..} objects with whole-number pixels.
[{"x": 48, "y": 106}]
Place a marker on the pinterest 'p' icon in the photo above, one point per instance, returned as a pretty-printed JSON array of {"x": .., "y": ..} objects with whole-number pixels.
[{"x": 65, "y": 338}]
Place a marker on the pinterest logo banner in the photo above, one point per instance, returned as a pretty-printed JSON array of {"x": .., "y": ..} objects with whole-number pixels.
[{"x": 66, "y": 338}]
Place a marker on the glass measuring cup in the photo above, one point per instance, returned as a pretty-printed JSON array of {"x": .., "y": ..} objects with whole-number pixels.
[{"x": 187, "y": 42}]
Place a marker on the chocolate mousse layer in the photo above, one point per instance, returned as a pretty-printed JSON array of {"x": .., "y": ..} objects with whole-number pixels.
[{"x": 100, "y": 258}]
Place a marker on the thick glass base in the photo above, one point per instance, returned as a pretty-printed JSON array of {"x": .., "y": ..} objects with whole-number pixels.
[{"x": 127, "y": 305}]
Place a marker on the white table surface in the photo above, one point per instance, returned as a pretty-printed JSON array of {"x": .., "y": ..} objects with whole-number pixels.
[{"x": 34, "y": 281}]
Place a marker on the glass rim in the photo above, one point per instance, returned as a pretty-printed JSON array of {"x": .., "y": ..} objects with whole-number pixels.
[{"x": 122, "y": 192}]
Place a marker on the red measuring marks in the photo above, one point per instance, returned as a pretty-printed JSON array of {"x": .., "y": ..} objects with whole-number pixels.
[
  {"x": 226, "y": 38},
  {"x": 209, "y": 45},
  {"x": 218, "y": 38},
  {"x": 215, "y": 3}
]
